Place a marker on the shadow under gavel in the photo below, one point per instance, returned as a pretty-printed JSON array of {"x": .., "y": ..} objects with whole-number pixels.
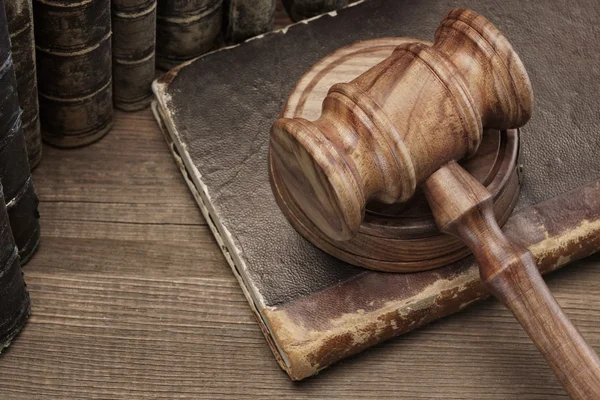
[{"x": 404, "y": 123}]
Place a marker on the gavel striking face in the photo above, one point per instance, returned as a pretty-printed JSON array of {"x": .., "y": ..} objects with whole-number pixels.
[{"x": 404, "y": 123}]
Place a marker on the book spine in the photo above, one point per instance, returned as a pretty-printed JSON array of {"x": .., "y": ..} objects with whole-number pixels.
[
  {"x": 186, "y": 29},
  {"x": 14, "y": 298},
  {"x": 134, "y": 34},
  {"x": 73, "y": 51},
  {"x": 302, "y": 9},
  {"x": 20, "y": 26},
  {"x": 244, "y": 19},
  {"x": 19, "y": 195}
]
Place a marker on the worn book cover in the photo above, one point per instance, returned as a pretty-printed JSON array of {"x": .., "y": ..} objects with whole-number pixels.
[
  {"x": 20, "y": 26},
  {"x": 73, "y": 51},
  {"x": 14, "y": 298},
  {"x": 243, "y": 19},
  {"x": 14, "y": 171},
  {"x": 216, "y": 113},
  {"x": 186, "y": 29},
  {"x": 133, "y": 55},
  {"x": 302, "y": 9},
  {"x": 19, "y": 194}
]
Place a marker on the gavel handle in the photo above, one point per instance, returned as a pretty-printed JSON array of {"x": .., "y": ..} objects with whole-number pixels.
[{"x": 463, "y": 207}]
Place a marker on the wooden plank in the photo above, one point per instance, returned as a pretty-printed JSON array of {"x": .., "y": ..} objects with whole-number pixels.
[
  {"x": 103, "y": 335},
  {"x": 130, "y": 165}
]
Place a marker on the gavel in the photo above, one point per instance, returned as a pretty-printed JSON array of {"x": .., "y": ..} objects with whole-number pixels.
[{"x": 405, "y": 123}]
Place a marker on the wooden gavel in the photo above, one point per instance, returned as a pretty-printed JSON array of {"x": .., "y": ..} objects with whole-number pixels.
[{"x": 404, "y": 123}]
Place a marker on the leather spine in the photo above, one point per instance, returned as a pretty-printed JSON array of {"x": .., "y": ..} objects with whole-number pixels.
[
  {"x": 20, "y": 25},
  {"x": 302, "y": 9},
  {"x": 311, "y": 336},
  {"x": 74, "y": 70},
  {"x": 244, "y": 19},
  {"x": 186, "y": 29},
  {"x": 134, "y": 35},
  {"x": 19, "y": 194},
  {"x": 14, "y": 298}
]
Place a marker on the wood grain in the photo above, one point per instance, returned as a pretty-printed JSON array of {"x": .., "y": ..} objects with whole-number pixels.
[
  {"x": 463, "y": 207},
  {"x": 160, "y": 315},
  {"x": 383, "y": 133},
  {"x": 397, "y": 237}
]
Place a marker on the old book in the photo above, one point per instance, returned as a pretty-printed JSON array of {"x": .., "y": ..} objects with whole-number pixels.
[
  {"x": 74, "y": 70},
  {"x": 20, "y": 26},
  {"x": 186, "y": 29},
  {"x": 14, "y": 298},
  {"x": 244, "y": 19},
  {"x": 19, "y": 194},
  {"x": 314, "y": 309},
  {"x": 302, "y": 9},
  {"x": 133, "y": 44}
]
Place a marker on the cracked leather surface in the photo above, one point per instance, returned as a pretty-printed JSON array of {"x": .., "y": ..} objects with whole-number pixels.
[{"x": 225, "y": 103}]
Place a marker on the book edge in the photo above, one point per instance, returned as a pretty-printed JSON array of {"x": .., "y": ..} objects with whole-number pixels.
[
  {"x": 255, "y": 306},
  {"x": 161, "y": 84}
]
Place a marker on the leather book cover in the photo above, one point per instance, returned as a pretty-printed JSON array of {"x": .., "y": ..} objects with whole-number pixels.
[
  {"x": 19, "y": 194},
  {"x": 74, "y": 70},
  {"x": 302, "y": 9},
  {"x": 244, "y": 19},
  {"x": 314, "y": 310},
  {"x": 186, "y": 29},
  {"x": 133, "y": 55},
  {"x": 20, "y": 26}
]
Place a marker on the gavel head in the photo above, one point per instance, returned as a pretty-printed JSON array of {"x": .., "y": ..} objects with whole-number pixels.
[{"x": 382, "y": 134}]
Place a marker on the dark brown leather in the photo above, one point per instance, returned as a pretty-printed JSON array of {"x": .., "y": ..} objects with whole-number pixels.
[
  {"x": 20, "y": 25},
  {"x": 19, "y": 195},
  {"x": 14, "y": 298},
  {"x": 186, "y": 29},
  {"x": 302, "y": 9},
  {"x": 14, "y": 176},
  {"x": 74, "y": 71}
]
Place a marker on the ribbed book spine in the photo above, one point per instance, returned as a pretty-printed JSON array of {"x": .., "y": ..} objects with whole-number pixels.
[
  {"x": 302, "y": 9},
  {"x": 186, "y": 29},
  {"x": 14, "y": 299},
  {"x": 134, "y": 35},
  {"x": 20, "y": 26},
  {"x": 244, "y": 19},
  {"x": 74, "y": 66},
  {"x": 19, "y": 195}
]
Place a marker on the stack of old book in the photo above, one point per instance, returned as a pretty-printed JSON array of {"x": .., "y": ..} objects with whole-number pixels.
[
  {"x": 107, "y": 57},
  {"x": 64, "y": 67}
]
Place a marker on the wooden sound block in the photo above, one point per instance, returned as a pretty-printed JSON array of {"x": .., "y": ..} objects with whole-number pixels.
[{"x": 397, "y": 237}]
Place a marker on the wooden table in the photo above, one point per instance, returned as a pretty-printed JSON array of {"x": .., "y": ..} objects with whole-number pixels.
[{"x": 133, "y": 299}]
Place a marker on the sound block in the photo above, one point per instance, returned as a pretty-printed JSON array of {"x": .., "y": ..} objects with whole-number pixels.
[{"x": 398, "y": 237}]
